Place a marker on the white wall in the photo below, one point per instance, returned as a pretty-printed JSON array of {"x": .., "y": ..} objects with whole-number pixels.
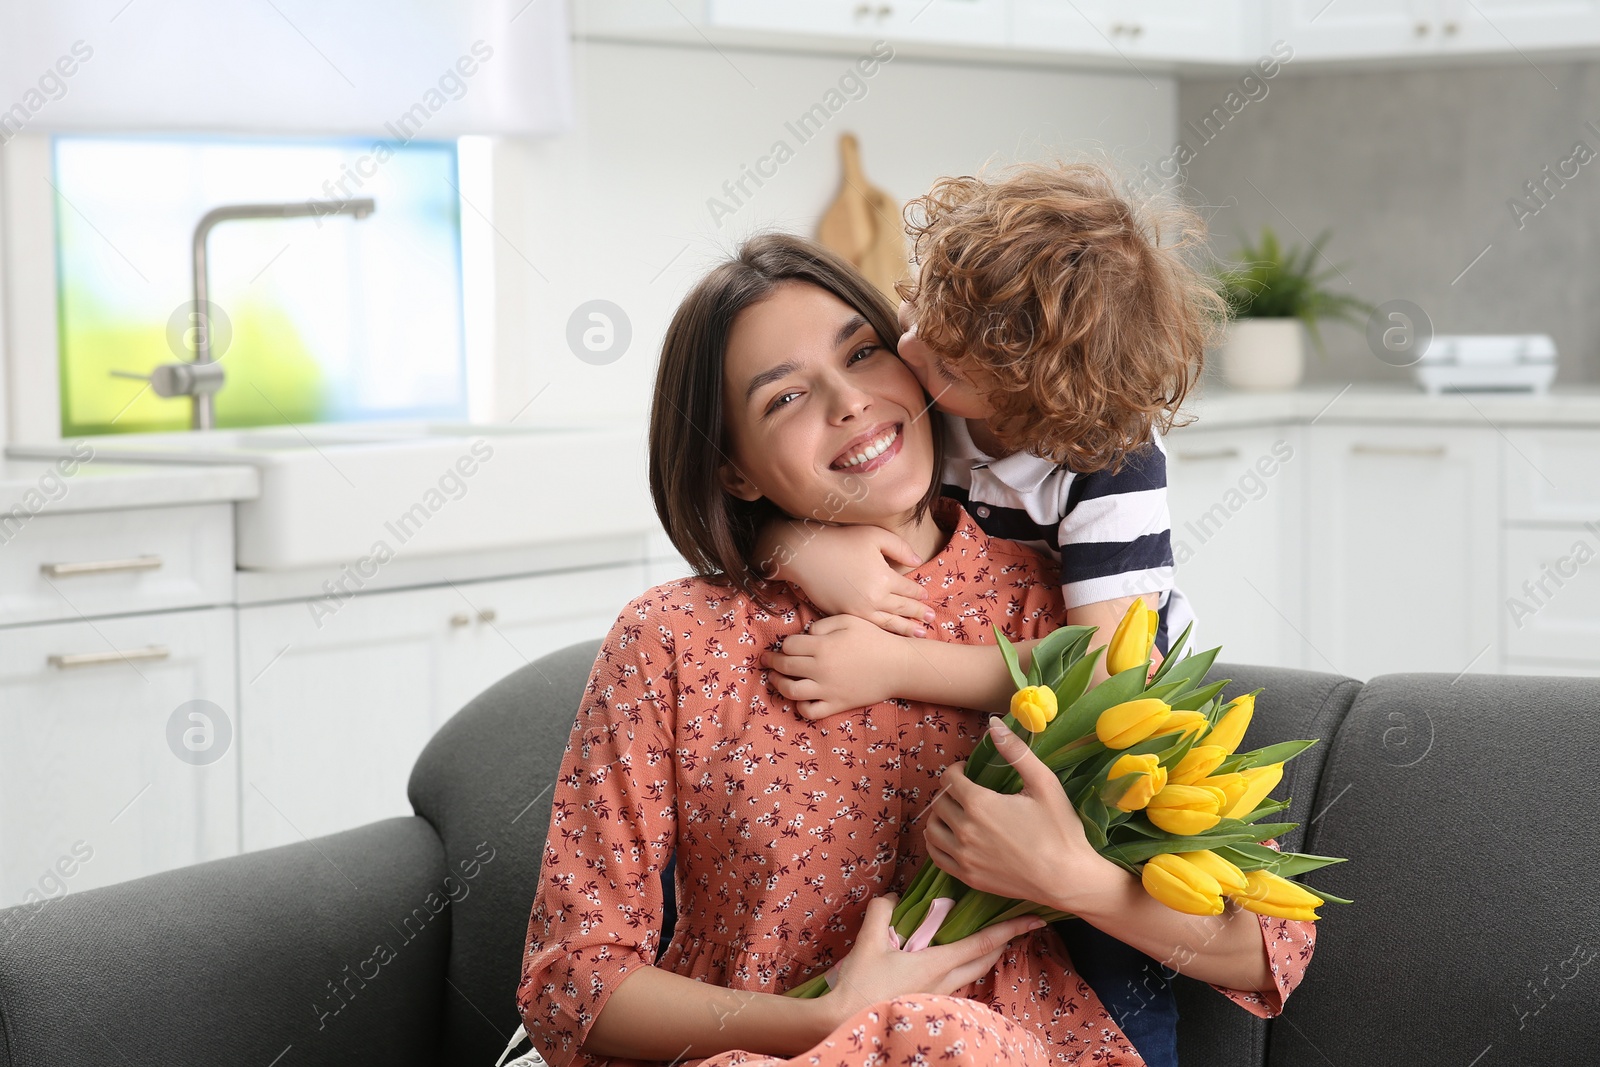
[{"x": 617, "y": 210}]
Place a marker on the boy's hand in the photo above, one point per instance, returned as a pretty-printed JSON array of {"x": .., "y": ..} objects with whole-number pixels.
[
  {"x": 845, "y": 570},
  {"x": 842, "y": 664}
]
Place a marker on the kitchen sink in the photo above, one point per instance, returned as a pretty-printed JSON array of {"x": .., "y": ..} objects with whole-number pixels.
[{"x": 335, "y": 494}]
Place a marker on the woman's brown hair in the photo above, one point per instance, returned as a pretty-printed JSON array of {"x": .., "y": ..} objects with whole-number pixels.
[
  {"x": 712, "y": 529},
  {"x": 1074, "y": 309}
]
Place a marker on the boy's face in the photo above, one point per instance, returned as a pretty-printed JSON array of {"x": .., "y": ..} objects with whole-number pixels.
[{"x": 952, "y": 393}]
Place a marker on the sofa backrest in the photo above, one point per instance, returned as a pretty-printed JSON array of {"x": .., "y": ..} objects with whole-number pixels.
[
  {"x": 1212, "y": 1030},
  {"x": 484, "y": 781},
  {"x": 1467, "y": 809}
]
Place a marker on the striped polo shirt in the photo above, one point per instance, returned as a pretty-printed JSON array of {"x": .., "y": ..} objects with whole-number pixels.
[{"x": 1111, "y": 532}]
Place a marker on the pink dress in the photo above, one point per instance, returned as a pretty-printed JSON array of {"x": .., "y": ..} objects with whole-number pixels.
[{"x": 785, "y": 828}]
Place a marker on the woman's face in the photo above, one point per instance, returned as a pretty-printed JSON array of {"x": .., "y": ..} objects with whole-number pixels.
[
  {"x": 952, "y": 393},
  {"x": 823, "y": 420}
]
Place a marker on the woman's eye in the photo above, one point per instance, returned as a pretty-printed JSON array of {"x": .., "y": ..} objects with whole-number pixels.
[
  {"x": 780, "y": 400},
  {"x": 862, "y": 351}
]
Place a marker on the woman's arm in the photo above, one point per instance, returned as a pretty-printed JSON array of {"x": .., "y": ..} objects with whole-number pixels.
[
  {"x": 1226, "y": 950},
  {"x": 658, "y": 1015}
]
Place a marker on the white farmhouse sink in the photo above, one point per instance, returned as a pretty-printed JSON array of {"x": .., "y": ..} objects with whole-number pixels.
[{"x": 334, "y": 494}]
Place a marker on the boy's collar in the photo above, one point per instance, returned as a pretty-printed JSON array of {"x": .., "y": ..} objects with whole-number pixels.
[{"x": 1022, "y": 471}]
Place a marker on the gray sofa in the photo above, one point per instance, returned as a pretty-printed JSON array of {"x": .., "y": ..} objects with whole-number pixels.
[{"x": 1464, "y": 804}]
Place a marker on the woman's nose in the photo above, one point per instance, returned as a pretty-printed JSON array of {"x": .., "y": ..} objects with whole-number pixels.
[{"x": 849, "y": 401}]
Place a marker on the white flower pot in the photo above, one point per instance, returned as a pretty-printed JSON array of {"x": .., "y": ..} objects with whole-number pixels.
[{"x": 1264, "y": 354}]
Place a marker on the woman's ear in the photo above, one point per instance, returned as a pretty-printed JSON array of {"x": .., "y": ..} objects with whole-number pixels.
[{"x": 736, "y": 484}]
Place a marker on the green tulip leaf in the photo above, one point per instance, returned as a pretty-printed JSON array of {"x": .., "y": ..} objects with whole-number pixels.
[
  {"x": 1328, "y": 897},
  {"x": 1195, "y": 699},
  {"x": 1116, "y": 788},
  {"x": 1173, "y": 654},
  {"x": 1300, "y": 862},
  {"x": 1269, "y": 806},
  {"x": 1009, "y": 653},
  {"x": 1054, "y": 652},
  {"x": 1192, "y": 669},
  {"x": 1075, "y": 681},
  {"x": 1079, "y": 718},
  {"x": 1279, "y": 753}
]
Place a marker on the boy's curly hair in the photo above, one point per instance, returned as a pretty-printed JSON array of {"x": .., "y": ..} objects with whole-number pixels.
[{"x": 1073, "y": 308}]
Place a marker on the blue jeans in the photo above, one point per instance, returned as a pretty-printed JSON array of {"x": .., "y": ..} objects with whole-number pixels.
[{"x": 1136, "y": 990}]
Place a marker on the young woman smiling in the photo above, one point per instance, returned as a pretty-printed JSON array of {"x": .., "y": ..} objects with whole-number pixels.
[{"x": 777, "y": 394}]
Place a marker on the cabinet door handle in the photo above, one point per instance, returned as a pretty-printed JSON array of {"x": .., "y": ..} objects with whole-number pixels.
[
  {"x": 487, "y": 615},
  {"x": 1422, "y": 29},
  {"x": 1215, "y": 453},
  {"x": 100, "y": 566},
  {"x": 460, "y": 618},
  {"x": 70, "y": 660},
  {"x": 1424, "y": 451}
]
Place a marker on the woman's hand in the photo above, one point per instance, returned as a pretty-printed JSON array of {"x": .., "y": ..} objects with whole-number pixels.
[
  {"x": 843, "y": 663},
  {"x": 1028, "y": 845},
  {"x": 846, "y": 570},
  {"x": 875, "y": 970}
]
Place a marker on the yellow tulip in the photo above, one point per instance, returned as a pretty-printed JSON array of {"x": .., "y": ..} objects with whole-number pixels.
[
  {"x": 1230, "y": 729},
  {"x": 1259, "y": 781},
  {"x": 1130, "y": 644},
  {"x": 1182, "y": 722},
  {"x": 1186, "y": 809},
  {"x": 1181, "y": 886},
  {"x": 1229, "y": 877},
  {"x": 1232, "y": 785},
  {"x": 1130, "y": 722},
  {"x": 1266, "y": 893},
  {"x": 1033, "y": 707},
  {"x": 1200, "y": 761},
  {"x": 1153, "y": 778}
]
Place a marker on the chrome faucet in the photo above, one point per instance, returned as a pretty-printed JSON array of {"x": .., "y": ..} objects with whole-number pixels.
[{"x": 203, "y": 376}]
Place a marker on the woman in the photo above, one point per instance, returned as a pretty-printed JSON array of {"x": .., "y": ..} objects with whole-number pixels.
[{"x": 777, "y": 392}]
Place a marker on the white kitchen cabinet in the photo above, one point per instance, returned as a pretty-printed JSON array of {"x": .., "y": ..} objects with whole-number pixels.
[
  {"x": 90, "y": 563},
  {"x": 1552, "y": 475},
  {"x": 1350, "y": 29},
  {"x": 975, "y": 22},
  {"x": 93, "y": 717},
  {"x": 1403, "y": 534},
  {"x": 1509, "y": 25},
  {"x": 1236, "y": 498},
  {"x": 1363, "y": 29},
  {"x": 1201, "y": 30},
  {"x": 336, "y": 707},
  {"x": 1551, "y": 584}
]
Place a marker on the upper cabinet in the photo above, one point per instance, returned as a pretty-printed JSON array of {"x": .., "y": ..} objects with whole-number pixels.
[
  {"x": 979, "y": 22},
  {"x": 1367, "y": 29},
  {"x": 1174, "y": 30},
  {"x": 1224, "y": 34}
]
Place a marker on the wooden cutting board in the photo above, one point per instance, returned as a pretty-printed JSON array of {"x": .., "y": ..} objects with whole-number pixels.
[{"x": 864, "y": 224}]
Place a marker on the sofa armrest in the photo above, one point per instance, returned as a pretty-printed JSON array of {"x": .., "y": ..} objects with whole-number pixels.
[{"x": 335, "y": 947}]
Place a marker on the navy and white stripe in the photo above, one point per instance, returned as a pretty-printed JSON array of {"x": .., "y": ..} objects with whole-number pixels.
[{"x": 1111, "y": 532}]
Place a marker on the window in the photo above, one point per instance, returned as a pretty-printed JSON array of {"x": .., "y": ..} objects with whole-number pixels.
[{"x": 321, "y": 319}]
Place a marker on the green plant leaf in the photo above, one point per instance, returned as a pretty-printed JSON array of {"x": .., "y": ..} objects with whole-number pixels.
[
  {"x": 1192, "y": 669},
  {"x": 1174, "y": 651},
  {"x": 1010, "y": 655},
  {"x": 1075, "y": 681},
  {"x": 1326, "y": 896},
  {"x": 1195, "y": 699},
  {"x": 1279, "y": 753}
]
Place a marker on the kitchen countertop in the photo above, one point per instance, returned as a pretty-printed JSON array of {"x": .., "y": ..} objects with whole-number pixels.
[
  {"x": 40, "y": 488},
  {"x": 1219, "y": 408}
]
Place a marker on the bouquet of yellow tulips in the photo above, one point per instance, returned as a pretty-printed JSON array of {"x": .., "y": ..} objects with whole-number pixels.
[{"x": 1151, "y": 764}]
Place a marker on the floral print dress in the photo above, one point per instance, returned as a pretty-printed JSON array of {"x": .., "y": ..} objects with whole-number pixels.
[{"x": 784, "y": 829}]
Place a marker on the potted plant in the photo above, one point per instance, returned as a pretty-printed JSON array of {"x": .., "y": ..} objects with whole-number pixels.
[{"x": 1275, "y": 298}]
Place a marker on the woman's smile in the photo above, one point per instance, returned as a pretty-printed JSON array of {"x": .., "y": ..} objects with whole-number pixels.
[{"x": 871, "y": 450}]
